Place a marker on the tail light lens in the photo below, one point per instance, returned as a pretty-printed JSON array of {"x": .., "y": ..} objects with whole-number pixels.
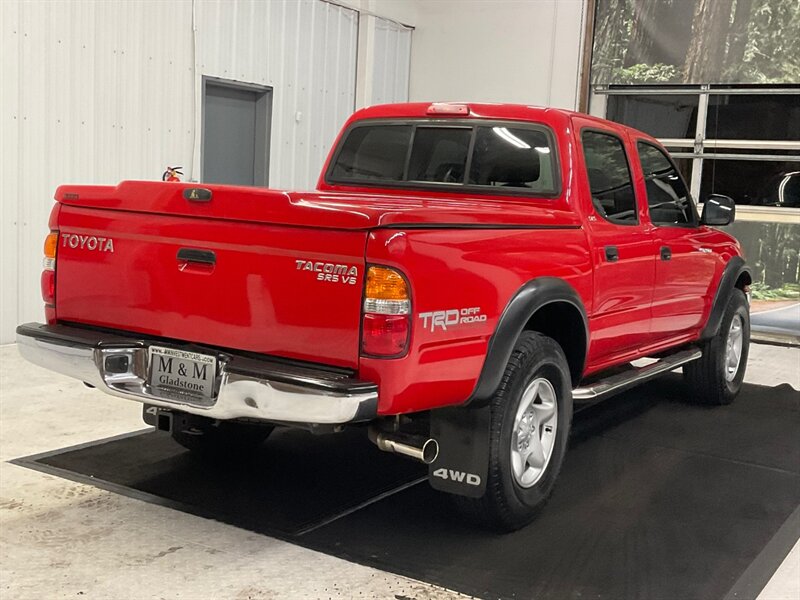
[
  {"x": 49, "y": 287},
  {"x": 49, "y": 265},
  {"x": 387, "y": 307}
]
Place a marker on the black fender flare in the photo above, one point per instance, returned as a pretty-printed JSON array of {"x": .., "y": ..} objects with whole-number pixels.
[
  {"x": 733, "y": 271},
  {"x": 523, "y": 305}
]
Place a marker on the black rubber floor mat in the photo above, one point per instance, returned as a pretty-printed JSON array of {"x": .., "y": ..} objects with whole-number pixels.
[
  {"x": 294, "y": 482},
  {"x": 657, "y": 499}
]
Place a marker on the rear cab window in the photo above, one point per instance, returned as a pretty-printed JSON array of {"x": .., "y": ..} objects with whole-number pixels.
[{"x": 492, "y": 157}]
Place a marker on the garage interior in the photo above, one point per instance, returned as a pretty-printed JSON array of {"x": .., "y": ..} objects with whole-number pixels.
[{"x": 657, "y": 498}]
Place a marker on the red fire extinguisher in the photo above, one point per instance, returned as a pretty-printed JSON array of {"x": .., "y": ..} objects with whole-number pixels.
[{"x": 172, "y": 174}]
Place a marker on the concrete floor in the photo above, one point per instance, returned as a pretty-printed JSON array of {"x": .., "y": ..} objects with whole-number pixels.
[{"x": 60, "y": 539}]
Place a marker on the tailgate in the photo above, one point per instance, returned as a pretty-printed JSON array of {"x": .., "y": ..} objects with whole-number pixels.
[{"x": 270, "y": 288}]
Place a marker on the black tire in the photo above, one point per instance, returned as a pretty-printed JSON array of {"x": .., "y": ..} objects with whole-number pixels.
[
  {"x": 507, "y": 505},
  {"x": 222, "y": 439},
  {"x": 708, "y": 379}
]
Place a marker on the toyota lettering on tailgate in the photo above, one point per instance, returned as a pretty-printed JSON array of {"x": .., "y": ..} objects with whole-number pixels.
[{"x": 88, "y": 242}]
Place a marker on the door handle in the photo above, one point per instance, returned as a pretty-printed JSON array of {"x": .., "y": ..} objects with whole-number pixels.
[
  {"x": 666, "y": 253},
  {"x": 194, "y": 260},
  {"x": 612, "y": 253},
  {"x": 194, "y": 255}
]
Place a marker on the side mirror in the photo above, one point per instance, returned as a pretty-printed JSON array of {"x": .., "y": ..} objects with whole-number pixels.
[{"x": 718, "y": 210}]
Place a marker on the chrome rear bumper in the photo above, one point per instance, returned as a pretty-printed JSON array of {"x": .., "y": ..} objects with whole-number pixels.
[{"x": 248, "y": 388}]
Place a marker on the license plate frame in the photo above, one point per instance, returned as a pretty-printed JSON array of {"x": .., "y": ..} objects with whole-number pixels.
[{"x": 182, "y": 375}]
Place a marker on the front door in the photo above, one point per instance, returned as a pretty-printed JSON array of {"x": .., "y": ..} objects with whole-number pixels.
[
  {"x": 623, "y": 247},
  {"x": 685, "y": 262}
]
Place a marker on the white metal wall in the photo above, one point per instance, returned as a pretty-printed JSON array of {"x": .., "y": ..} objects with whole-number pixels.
[
  {"x": 98, "y": 92},
  {"x": 525, "y": 51},
  {"x": 306, "y": 51},
  {"x": 391, "y": 62}
]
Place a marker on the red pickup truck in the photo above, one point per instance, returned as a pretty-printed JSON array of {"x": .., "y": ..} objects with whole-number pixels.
[{"x": 463, "y": 276}]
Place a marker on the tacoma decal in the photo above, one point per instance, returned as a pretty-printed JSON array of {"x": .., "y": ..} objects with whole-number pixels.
[
  {"x": 452, "y": 317},
  {"x": 332, "y": 272}
]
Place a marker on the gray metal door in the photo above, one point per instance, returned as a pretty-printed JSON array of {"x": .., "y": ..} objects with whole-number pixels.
[{"x": 235, "y": 134}]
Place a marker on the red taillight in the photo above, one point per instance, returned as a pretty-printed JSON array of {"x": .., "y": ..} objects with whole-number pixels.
[
  {"x": 384, "y": 335},
  {"x": 49, "y": 287},
  {"x": 49, "y": 274},
  {"x": 386, "y": 322}
]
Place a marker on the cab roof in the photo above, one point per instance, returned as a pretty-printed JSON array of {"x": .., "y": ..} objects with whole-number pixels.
[{"x": 481, "y": 110}]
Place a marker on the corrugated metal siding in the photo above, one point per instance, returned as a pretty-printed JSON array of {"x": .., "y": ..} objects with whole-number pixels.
[
  {"x": 98, "y": 92},
  {"x": 306, "y": 51},
  {"x": 392, "y": 59}
]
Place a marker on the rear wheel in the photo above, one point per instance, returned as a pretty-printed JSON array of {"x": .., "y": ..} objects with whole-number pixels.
[
  {"x": 221, "y": 439},
  {"x": 717, "y": 377},
  {"x": 531, "y": 415}
]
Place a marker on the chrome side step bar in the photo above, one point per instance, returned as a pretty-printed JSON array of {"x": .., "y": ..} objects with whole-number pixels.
[{"x": 619, "y": 382}]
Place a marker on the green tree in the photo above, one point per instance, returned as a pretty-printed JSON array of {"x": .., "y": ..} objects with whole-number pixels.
[
  {"x": 706, "y": 53},
  {"x": 771, "y": 52}
]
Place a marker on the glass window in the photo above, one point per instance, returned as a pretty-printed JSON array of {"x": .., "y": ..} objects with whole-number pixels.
[
  {"x": 666, "y": 116},
  {"x": 755, "y": 182},
  {"x": 439, "y": 154},
  {"x": 511, "y": 157},
  {"x": 373, "y": 153},
  {"x": 609, "y": 178},
  {"x": 668, "y": 200},
  {"x": 515, "y": 157},
  {"x": 731, "y": 116}
]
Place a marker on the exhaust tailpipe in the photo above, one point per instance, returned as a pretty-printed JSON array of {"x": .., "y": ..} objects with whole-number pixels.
[{"x": 419, "y": 448}]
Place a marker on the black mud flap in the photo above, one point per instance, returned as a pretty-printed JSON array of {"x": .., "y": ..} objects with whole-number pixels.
[{"x": 463, "y": 461}]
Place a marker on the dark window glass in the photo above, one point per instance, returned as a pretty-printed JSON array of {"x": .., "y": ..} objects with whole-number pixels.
[
  {"x": 684, "y": 166},
  {"x": 439, "y": 154},
  {"x": 667, "y": 116},
  {"x": 668, "y": 200},
  {"x": 373, "y": 153},
  {"x": 512, "y": 157},
  {"x": 756, "y": 117},
  {"x": 609, "y": 178},
  {"x": 756, "y": 182},
  {"x": 518, "y": 158}
]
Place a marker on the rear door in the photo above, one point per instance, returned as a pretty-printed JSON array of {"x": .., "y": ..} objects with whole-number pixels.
[
  {"x": 686, "y": 262},
  {"x": 622, "y": 244}
]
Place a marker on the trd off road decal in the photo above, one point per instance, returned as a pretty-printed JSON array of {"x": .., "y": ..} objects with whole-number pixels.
[{"x": 451, "y": 318}]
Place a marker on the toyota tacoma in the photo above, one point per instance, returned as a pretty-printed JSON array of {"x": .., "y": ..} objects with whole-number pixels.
[{"x": 463, "y": 277}]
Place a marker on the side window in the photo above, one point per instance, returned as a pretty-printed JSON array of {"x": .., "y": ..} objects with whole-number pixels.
[
  {"x": 609, "y": 178},
  {"x": 668, "y": 200}
]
